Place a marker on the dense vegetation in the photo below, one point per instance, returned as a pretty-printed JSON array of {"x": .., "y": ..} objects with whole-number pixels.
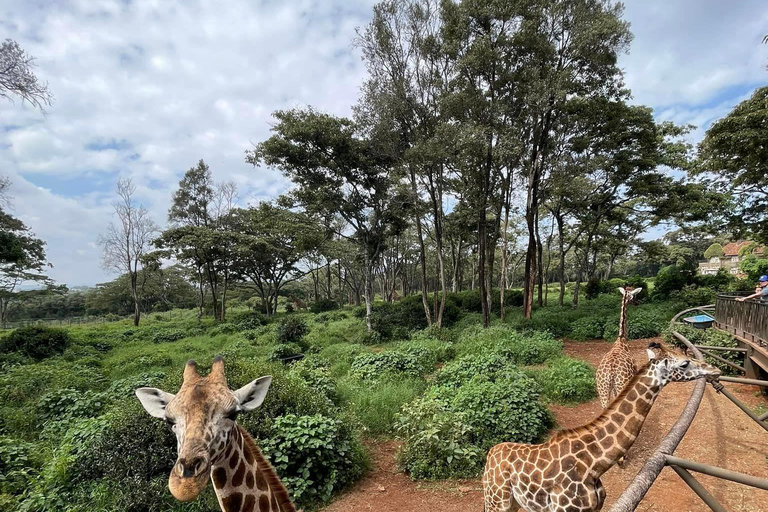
[{"x": 73, "y": 436}]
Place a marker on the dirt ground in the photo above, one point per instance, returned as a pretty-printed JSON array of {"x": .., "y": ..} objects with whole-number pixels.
[{"x": 721, "y": 435}]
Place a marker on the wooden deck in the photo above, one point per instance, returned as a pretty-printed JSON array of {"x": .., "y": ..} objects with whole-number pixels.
[{"x": 748, "y": 322}]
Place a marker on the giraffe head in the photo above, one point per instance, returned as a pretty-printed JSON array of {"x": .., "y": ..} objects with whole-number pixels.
[
  {"x": 202, "y": 415},
  {"x": 674, "y": 366},
  {"x": 629, "y": 293}
]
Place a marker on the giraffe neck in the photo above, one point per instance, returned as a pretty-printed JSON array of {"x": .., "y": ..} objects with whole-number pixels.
[
  {"x": 245, "y": 481},
  {"x": 623, "y": 318},
  {"x": 611, "y": 434}
]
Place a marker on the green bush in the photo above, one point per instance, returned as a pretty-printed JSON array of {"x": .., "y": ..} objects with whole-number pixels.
[
  {"x": 315, "y": 456},
  {"x": 459, "y": 371},
  {"x": 521, "y": 347},
  {"x": 323, "y": 305},
  {"x": 445, "y": 431},
  {"x": 168, "y": 335},
  {"x": 292, "y": 330},
  {"x": 17, "y": 466},
  {"x": 641, "y": 323},
  {"x": 670, "y": 279},
  {"x": 436, "y": 442},
  {"x": 247, "y": 320},
  {"x": 65, "y": 404},
  {"x": 284, "y": 350},
  {"x": 566, "y": 381},
  {"x": 374, "y": 366},
  {"x": 587, "y": 328},
  {"x": 36, "y": 342},
  {"x": 593, "y": 288},
  {"x": 316, "y": 377}
]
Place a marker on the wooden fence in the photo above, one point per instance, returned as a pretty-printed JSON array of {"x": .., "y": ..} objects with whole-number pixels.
[{"x": 745, "y": 319}]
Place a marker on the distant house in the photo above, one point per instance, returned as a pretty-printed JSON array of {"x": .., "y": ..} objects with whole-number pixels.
[{"x": 729, "y": 260}]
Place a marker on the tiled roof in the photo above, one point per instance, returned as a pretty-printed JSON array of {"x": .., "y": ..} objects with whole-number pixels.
[{"x": 733, "y": 248}]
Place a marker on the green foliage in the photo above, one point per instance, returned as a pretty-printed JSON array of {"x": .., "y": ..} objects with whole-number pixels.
[
  {"x": 323, "y": 305},
  {"x": 587, "y": 328},
  {"x": 520, "y": 347},
  {"x": 641, "y": 323},
  {"x": 754, "y": 267},
  {"x": 291, "y": 330},
  {"x": 374, "y": 366},
  {"x": 124, "y": 388},
  {"x": 377, "y": 406},
  {"x": 283, "y": 350},
  {"x": 316, "y": 455},
  {"x": 436, "y": 442},
  {"x": 709, "y": 338},
  {"x": 247, "y": 320},
  {"x": 36, "y": 342},
  {"x": 168, "y": 335},
  {"x": 593, "y": 288},
  {"x": 714, "y": 251},
  {"x": 65, "y": 404},
  {"x": 565, "y": 380},
  {"x": 670, "y": 279},
  {"x": 717, "y": 282}
]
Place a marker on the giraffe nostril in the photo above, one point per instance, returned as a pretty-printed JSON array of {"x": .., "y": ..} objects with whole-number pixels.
[{"x": 190, "y": 468}]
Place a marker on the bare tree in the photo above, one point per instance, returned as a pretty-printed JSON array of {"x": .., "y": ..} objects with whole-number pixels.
[
  {"x": 125, "y": 242},
  {"x": 17, "y": 78}
]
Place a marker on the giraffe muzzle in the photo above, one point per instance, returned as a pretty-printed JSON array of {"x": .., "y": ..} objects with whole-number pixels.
[{"x": 188, "y": 478}]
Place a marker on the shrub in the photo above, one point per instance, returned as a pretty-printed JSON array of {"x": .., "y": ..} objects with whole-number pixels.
[
  {"x": 36, "y": 342},
  {"x": 323, "y": 305},
  {"x": 593, "y": 288},
  {"x": 505, "y": 410},
  {"x": 289, "y": 308},
  {"x": 16, "y": 465},
  {"x": 526, "y": 347},
  {"x": 65, "y": 404},
  {"x": 460, "y": 371},
  {"x": 247, "y": 320},
  {"x": 292, "y": 330},
  {"x": 718, "y": 282},
  {"x": 315, "y": 455},
  {"x": 692, "y": 295},
  {"x": 566, "y": 380},
  {"x": 316, "y": 377},
  {"x": 374, "y": 366},
  {"x": 330, "y": 316},
  {"x": 168, "y": 335},
  {"x": 447, "y": 431},
  {"x": 284, "y": 350},
  {"x": 587, "y": 328},
  {"x": 436, "y": 442},
  {"x": 670, "y": 279}
]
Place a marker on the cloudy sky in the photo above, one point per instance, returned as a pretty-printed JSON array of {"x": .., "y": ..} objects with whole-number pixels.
[{"x": 145, "y": 88}]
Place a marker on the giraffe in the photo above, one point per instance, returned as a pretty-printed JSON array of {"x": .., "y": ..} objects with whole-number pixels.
[
  {"x": 300, "y": 304},
  {"x": 617, "y": 367},
  {"x": 211, "y": 444},
  {"x": 563, "y": 474}
]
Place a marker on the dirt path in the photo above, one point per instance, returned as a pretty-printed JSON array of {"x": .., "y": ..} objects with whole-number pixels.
[{"x": 721, "y": 435}]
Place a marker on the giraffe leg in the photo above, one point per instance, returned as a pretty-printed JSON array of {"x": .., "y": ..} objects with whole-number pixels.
[{"x": 497, "y": 490}]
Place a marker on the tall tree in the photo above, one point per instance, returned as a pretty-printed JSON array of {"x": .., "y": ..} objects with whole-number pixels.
[
  {"x": 337, "y": 171},
  {"x": 126, "y": 242},
  {"x": 22, "y": 256},
  {"x": 269, "y": 243},
  {"x": 733, "y": 158}
]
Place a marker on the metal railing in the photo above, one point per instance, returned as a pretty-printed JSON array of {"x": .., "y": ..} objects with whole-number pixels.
[{"x": 663, "y": 456}]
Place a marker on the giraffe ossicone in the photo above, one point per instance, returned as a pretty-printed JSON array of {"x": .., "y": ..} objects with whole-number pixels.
[
  {"x": 212, "y": 446},
  {"x": 563, "y": 474}
]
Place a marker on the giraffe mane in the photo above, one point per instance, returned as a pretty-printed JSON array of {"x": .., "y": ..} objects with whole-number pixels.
[
  {"x": 275, "y": 484},
  {"x": 611, "y": 407}
]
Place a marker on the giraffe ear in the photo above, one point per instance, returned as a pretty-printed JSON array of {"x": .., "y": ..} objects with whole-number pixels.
[
  {"x": 154, "y": 401},
  {"x": 621, "y": 291},
  {"x": 252, "y": 395},
  {"x": 636, "y": 291}
]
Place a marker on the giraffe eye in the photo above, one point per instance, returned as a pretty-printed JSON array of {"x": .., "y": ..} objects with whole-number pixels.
[
  {"x": 685, "y": 364},
  {"x": 232, "y": 416}
]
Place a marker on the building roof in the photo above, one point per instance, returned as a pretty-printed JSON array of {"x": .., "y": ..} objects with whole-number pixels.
[{"x": 733, "y": 248}]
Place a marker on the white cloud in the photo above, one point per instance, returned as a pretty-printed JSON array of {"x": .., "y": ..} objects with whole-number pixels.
[{"x": 147, "y": 88}]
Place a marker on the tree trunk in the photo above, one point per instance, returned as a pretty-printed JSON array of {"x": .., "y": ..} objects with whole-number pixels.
[
  {"x": 368, "y": 289},
  {"x": 539, "y": 262},
  {"x": 422, "y": 250},
  {"x": 504, "y": 249},
  {"x": 561, "y": 296}
]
